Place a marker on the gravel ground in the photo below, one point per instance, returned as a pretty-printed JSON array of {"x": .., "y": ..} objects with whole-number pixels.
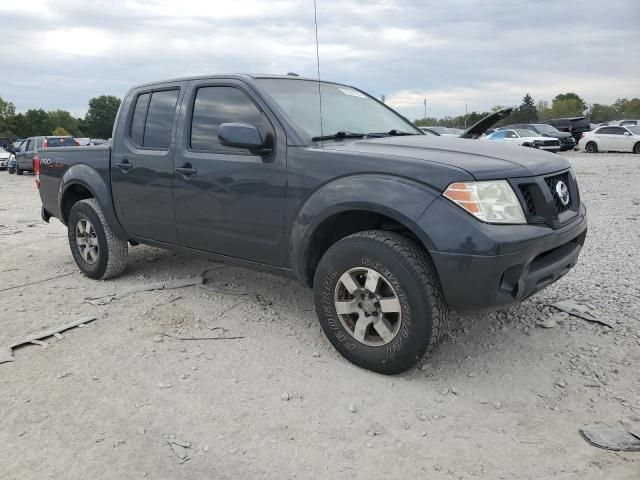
[{"x": 501, "y": 399}]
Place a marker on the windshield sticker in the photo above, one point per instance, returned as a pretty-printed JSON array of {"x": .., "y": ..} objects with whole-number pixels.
[{"x": 352, "y": 92}]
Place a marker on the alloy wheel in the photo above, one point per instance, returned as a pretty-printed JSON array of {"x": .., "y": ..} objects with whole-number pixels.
[
  {"x": 87, "y": 241},
  {"x": 368, "y": 306}
]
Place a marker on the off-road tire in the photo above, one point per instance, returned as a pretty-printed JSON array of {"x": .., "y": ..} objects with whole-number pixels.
[
  {"x": 112, "y": 251},
  {"x": 591, "y": 147},
  {"x": 410, "y": 272}
]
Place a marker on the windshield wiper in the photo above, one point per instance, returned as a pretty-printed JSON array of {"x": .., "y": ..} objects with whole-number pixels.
[
  {"x": 339, "y": 134},
  {"x": 390, "y": 133}
]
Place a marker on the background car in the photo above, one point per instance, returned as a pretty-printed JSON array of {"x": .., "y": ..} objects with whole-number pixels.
[
  {"x": 526, "y": 138},
  {"x": 576, "y": 126},
  {"x": 4, "y": 158},
  {"x": 29, "y": 147},
  {"x": 567, "y": 142},
  {"x": 629, "y": 122},
  {"x": 612, "y": 139}
]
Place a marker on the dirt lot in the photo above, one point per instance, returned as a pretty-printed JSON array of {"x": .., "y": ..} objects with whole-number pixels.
[{"x": 503, "y": 398}]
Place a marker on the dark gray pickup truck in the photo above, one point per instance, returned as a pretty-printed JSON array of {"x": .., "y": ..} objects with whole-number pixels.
[{"x": 390, "y": 227}]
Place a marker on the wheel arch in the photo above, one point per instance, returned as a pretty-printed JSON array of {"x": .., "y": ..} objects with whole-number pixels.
[
  {"x": 81, "y": 182},
  {"x": 354, "y": 204}
]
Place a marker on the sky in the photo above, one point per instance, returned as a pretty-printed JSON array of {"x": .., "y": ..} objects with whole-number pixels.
[{"x": 60, "y": 53}]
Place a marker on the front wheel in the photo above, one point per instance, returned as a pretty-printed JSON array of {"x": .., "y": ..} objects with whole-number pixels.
[
  {"x": 636, "y": 148},
  {"x": 591, "y": 147},
  {"x": 379, "y": 301},
  {"x": 19, "y": 171},
  {"x": 97, "y": 251}
]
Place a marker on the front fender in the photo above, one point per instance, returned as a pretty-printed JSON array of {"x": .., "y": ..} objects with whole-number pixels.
[
  {"x": 89, "y": 178},
  {"x": 398, "y": 198}
]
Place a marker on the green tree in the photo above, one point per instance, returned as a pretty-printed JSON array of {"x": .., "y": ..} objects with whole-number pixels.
[
  {"x": 7, "y": 112},
  {"x": 63, "y": 119},
  {"x": 36, "y": 122},
  {"x": 627, "y": 108},
  {"x": 60, "y": 132},
  {"x": 568, "y": 105},
  {"x": 602, "y": 113},
  {"x": 527, "y": 111},
  {"x": 102, "y": 112}
]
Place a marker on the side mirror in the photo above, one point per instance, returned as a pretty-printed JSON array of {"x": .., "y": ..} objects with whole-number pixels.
[
  {"x": 627, "y": 134},
  {"x": 242, "y": 135}
]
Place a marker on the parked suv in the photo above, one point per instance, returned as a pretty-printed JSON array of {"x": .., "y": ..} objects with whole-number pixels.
[
  {"x": 389, "y": 226},
  {"x": 29, "y": 148},
  {"x": 567, "y": 142},
  {"x": 576, "y": 126}
]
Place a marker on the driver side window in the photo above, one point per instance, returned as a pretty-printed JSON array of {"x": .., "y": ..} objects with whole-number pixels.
[{"x": 214, "y": 106}]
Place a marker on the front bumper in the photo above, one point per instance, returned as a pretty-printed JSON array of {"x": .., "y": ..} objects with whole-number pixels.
[
  {"x": 485, "y": 267},
  {"x": 4, "y": 162}
]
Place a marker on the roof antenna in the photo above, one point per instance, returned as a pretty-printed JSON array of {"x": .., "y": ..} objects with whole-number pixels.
[{"x": 315, "y": 16}]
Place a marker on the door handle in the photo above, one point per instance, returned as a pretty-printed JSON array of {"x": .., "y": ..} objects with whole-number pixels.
[
  {"x": 125, "y": 166},
  {"x": 186, "y": 170}
]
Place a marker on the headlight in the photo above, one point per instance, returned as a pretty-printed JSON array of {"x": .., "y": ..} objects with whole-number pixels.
[{"x": 491, "y": 202}]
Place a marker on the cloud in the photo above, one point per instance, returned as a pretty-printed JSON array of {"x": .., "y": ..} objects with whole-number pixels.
[{"x": 452, "y": 53}]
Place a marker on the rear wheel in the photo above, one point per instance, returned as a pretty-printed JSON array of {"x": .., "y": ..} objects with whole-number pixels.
[
  {"x": 97, "y": 252},
  {"x": 379, "y": 301},
  {"x": 591, "y": 147},
  {"x": 19, "y": 171},
  {"x": 636, "y": 148}
]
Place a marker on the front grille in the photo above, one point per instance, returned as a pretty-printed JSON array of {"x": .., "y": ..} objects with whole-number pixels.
[
  {"x": 551, "y": 183},
  {"x": 528, "y": 198}
]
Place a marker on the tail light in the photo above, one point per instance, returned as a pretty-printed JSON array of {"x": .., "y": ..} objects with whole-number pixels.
[{"x": 36, "y": 169}]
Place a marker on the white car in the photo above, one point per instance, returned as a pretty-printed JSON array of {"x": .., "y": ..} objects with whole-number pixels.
[
  {"x": 4, "y": 158},
  {"x": 526, "y": 138},
  {"x": 612, "y": 139}
]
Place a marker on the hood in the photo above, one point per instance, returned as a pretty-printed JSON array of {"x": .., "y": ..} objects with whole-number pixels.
[
  {"x": 483, "y": 160},
  {"x": 558, "y": 135},
  {"x": 478, "y": 128}
]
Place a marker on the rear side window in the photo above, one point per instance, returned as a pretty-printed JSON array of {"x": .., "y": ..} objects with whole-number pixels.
[
  {"x": 217, "y": 105},
  {"x": 139, "y": 115},
  {"x": 157, "y": 130}
]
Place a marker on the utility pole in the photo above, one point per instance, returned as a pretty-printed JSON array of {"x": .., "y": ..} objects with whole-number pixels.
[
  {"x": 425, "y": 108},
  {"x": 465, "y": 115}
]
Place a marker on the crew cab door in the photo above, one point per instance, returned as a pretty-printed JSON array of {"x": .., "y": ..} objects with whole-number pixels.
[
  {"x": 20, "y": 153},
  {"x": 142, "y": 162},
  {"x": 229, "y": 200}
]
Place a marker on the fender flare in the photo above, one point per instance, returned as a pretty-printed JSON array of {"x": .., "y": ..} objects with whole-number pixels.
[
  {"x": 90, "y": 179},
  {"x": 398, "y": 198}
]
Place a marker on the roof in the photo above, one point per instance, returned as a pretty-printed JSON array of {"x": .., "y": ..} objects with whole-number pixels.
[{"x": 233, "y": 76}]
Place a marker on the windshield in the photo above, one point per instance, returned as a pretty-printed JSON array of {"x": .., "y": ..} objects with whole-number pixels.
[
  {"x": 526, "y": 133},
  {"x": 344, "y": 109},
  {"x": 634, "y": 129},
  {"x": 542, "y": 128}
]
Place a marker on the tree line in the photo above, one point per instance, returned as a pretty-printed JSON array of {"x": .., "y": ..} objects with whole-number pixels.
[
  {"x": 563, "y": 105},
  {"x": 97, "y": 123}
]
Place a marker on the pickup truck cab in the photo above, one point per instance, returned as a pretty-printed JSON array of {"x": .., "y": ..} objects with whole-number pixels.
[{"x": 389, "y": 226}]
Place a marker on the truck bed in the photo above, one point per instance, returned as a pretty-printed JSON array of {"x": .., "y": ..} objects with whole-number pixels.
[{"x": 55, "y": 162}]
